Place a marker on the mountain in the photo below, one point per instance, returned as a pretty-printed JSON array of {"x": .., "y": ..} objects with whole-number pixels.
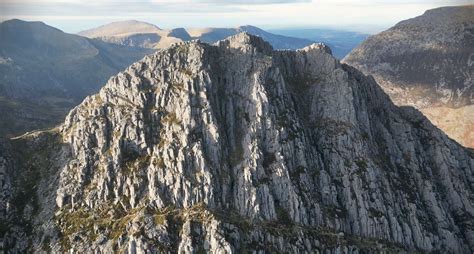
[
  {"x": 142, "y": 34},
  {"x": 425, "y": 62},
  {"x": 235, "y": 147},
  {"x": 211, "y": 35},
  {"x": 45, "y": 72},
  {"x": 133, "y": 33},
  {"x": 122, "y": 28},
  {"x": 341, "y": 42}
]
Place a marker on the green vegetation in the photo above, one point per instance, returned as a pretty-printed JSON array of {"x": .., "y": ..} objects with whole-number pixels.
[
  {"x": 186, "y": 71},
  {"x": 237, "y": 155},
  {"x": 347, "y": 163},
  {"x": 137, "y": 164},
  {"x": 40, "y": 116},
  {"x": 268, "y": 159},
  {"x": 90, "y": 223},
  {"x": 283, "y": 121},
  {"x": 3, "y": 228},
  {"x": 375, "y": 245},
  {"x": 170, "y": 118},
  {"x": 333, "y": 211},
  {"x": 332, "y": 127},
  {"x": 177, "y": 87},
  {"x": 374, "y": 213},
  {"x": 365, "y": 135},
  {"x": 361, "y": 171},
  {"x": 46, "y": 244},
  {"x": 116, "y": 134},
  {"x": 263, "y": 180},
  {"x": 129, "y": 154},
  {"x": 159, "y": 219},
  {"x": 283, "y": 216},
  {"x": 361, "y": 164},
  {"x": 297, "y": 171},
  {"x": 182, "y": 49},
  {"x": 35, "y": 165},
  {"x": 158, "y": 162}
]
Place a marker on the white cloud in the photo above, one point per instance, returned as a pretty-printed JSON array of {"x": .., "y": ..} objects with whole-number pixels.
[
  {"x": 151, "y": 1},
  {"x": 74, "y": 15}
]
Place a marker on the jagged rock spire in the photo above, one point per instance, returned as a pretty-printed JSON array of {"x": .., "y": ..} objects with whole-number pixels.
[{"x": 245, "y": 41}]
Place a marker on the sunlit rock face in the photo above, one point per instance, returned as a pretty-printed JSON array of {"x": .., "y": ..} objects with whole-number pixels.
[
  {"x": 235, "y": 147},
  {"x": 426, "y": 62}
]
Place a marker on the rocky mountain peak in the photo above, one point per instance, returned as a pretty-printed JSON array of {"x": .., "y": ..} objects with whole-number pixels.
[
  {"x": 246, "y": 41},
  {"x": 319, "y": 47},
  {"x": 250, "y": 29},
  {"x": 235, "y": 147}
]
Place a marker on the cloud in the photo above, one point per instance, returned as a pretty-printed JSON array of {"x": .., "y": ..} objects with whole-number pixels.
[
  {"x": 75, "y": 15},
  {"x": 152, "y": 1}
]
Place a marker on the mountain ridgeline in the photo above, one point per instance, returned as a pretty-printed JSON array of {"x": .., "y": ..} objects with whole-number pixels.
[
  {"x": 235, "y": 147},
  {"x": 341, "y": 42},
  {"x": 142, "y": 34}
]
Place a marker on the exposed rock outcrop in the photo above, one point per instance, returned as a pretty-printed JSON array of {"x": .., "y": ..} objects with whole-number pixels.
[{"x": 235, "y": 147}]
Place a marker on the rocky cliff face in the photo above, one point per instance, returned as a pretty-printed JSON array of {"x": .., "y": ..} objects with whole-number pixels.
[
  {"x": 425, "y": 62},
  {"x": 236, "y": 147}
]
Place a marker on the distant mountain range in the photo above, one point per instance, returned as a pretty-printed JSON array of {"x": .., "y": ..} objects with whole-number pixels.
[
  {"x": 341, "y": 42},
  {"x": 142, "y": 34},
  {"x": 427, "y": 62},
  {"x": 146, "y": 35},
  {"x": 44, "y": 72},
  {"x": 133, "y": 33}
]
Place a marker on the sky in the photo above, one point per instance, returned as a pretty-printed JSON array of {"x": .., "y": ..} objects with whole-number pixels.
[{"x": 368, "y": 16}]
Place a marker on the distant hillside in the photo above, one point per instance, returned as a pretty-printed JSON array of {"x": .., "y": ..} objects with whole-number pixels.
[
  {"x": 427, "y": 62},
  {"x": 430, "y": 54},
  {"x": 132, "y": 33},
  {"x": 341, "y": 42},
  {"x": 44, "y": 72},
  {"x": 212, "y": 35},
  {"x": 141, "y": 34},
  {"x": 121, "y": 28}
]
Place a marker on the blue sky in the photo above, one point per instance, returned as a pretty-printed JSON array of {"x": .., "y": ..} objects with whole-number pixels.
[{"x": 363, "y": 15}]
